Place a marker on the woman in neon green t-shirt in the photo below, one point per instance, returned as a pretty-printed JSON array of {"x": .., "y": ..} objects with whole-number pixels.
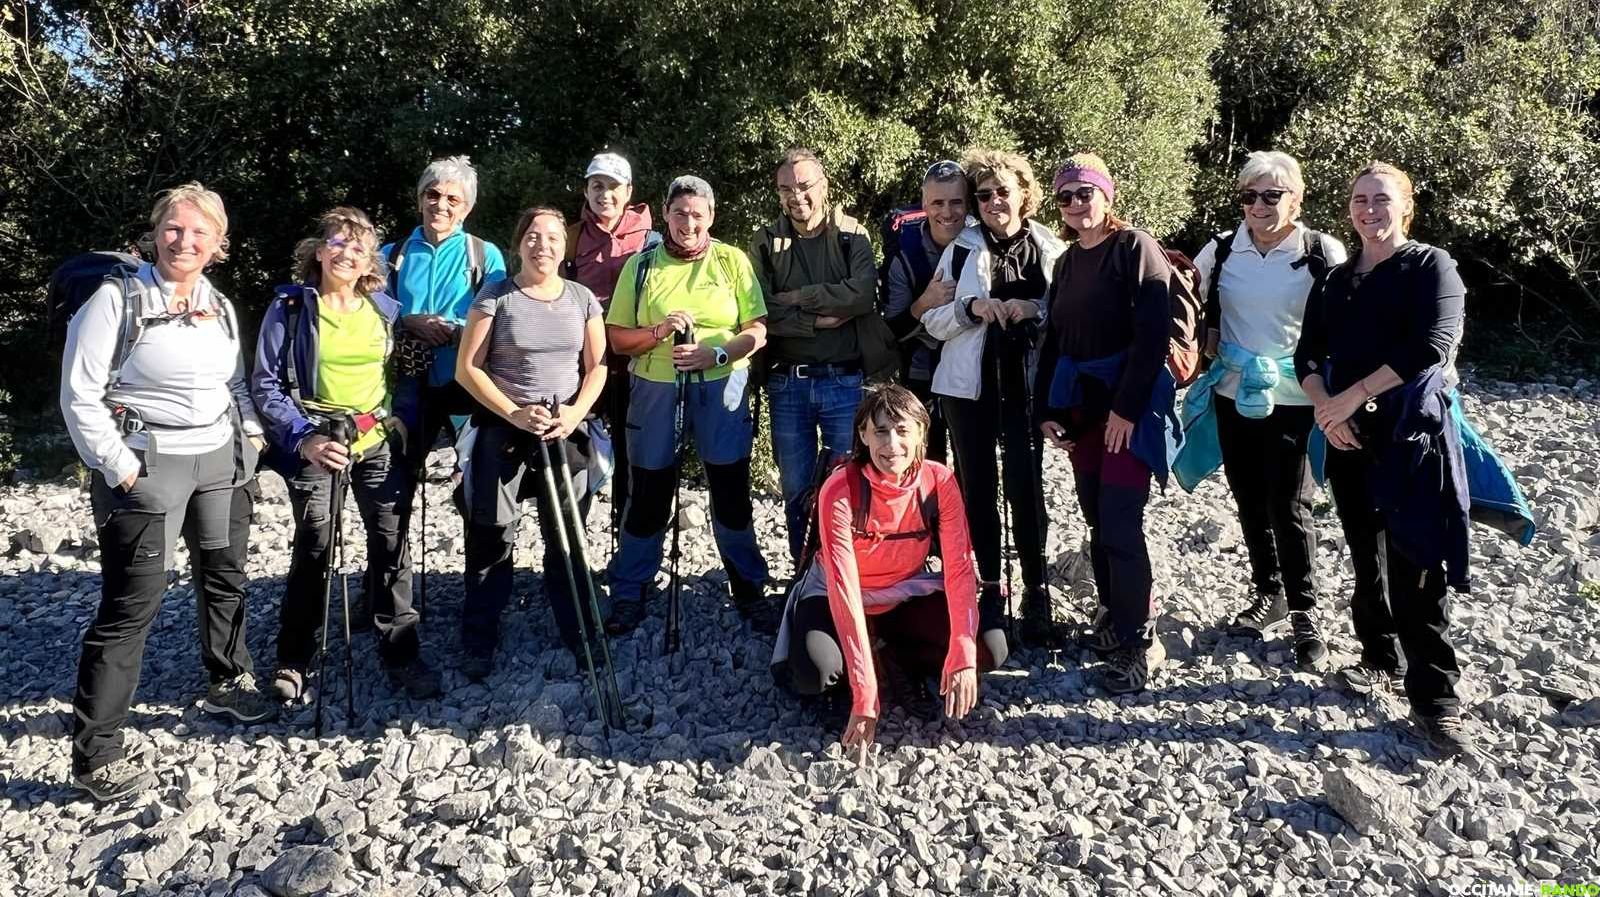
[{"x": 321, "y": 356}]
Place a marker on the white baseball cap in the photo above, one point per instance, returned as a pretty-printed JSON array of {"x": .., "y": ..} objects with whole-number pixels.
[{"x": 612, "y": 166}]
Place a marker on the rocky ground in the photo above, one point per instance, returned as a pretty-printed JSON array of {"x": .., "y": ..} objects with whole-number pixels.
[{"x": 1237, "y": 774}]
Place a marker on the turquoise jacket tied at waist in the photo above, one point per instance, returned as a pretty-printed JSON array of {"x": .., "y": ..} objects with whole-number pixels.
[{"x": 1201, "y": 453}]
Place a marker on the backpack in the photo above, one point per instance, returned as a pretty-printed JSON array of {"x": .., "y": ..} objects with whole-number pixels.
[
  {"x": 901, "y": 234},
  {"x": 77, "y": 280},
  {"x": 1314, "y": 254},
  {"x": 1188, "y": 318},
  {"x": 927, "y": 506}
]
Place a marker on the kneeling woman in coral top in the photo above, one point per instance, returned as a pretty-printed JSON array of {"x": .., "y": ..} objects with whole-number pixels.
[{"x": 893, "y": 592}]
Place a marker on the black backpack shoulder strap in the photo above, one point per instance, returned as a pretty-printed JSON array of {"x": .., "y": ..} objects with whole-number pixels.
[
  {"x": 862, "y": 506},
  {"x": 293, "y": 307},
  {"x": 132, "y": 327},
  {"x": 958, "y": 260},
  {"x": 396, "y": 258},
  {"x": 1223, "y": 245},
  {"x": 641, "y": 270},
  {"x": 477, "y": 260},
  {"x": 1315, "y": 250}
]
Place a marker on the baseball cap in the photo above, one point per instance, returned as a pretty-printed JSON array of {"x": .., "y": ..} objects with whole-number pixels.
[{"x": 612, "y": 166}]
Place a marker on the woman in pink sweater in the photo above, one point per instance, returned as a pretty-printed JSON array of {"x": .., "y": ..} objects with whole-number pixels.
[{"x": 893, "y": 569}]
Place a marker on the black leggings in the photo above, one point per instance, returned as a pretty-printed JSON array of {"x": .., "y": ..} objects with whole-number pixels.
[{"x": 916, "y": 632}]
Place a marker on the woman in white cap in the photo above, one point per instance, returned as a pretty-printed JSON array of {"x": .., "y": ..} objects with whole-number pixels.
[{"x": 610, "y": 230}]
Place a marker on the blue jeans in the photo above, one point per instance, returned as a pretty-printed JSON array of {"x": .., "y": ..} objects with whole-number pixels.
[{"x": 799, "y": 407}]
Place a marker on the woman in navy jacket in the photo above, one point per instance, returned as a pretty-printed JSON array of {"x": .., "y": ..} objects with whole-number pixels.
[
  {"x": 1377, "y": 359},
  {"x": 321, "y": 359}
]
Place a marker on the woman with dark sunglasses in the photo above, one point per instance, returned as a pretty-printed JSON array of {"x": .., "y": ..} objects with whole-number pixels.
[
  {"x": 1249, "y": 411},
  {"x": 1002, "y": 268},
  {"x": 1103, "y": 394}
]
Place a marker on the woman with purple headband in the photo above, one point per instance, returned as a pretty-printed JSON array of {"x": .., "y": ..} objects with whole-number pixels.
[{"x": 1103, "y": 389}]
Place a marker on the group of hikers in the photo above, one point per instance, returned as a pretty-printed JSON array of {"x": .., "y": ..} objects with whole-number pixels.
[{"x": 984, "y": 340}]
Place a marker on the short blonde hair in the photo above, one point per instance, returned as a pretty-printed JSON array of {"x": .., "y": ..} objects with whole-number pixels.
[
  {"x": 1280, "y": 168},
  {"x": 1380, "y": 169},
  {"x": 984, "y": 164},
  {"x": 351, "y": 222},
  {"x": 207, "y": 202}
]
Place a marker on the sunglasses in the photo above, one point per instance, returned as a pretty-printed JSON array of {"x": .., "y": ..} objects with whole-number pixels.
[
  {"x": 987, "y": 194},
  {"x": 1068, "y": 197},
  {"x": 942, "y": 171},
  {"x": 1270, "y": 197}
]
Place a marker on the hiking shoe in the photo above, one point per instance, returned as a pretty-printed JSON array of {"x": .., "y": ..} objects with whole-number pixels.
[
  {"x": 626, "y": 615},
  {"x": 1267, "y": 616},
  {"x": 121, "y": 777},
  {"x": 753, "y": 603},
  {"x": 238, "y": 698},
  {"x": 1101, "y": 636},
  {"x": 1309, "y": 648},
  {"x": 1445, "y": 733},
  {"x": 1038, "y": 622},
  {"x": 288, "y": 684},
  {"x": 1128, "y": 669},
  {"x": 477, "y": 665},
  {"x": 1365, "y": 679},
  {"x": 416, "y": 678}
]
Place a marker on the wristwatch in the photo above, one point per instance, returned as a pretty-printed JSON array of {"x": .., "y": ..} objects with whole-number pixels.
[{"x": 720, "y": 354}]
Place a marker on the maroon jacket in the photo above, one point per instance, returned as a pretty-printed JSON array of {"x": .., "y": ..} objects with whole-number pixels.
[{"x": 595, "y": 257}]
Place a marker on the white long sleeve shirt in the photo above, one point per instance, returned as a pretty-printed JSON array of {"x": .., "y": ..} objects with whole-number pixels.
[
  {"x": 185, "y": 376},
  {"x": 1263, "y": 299}
]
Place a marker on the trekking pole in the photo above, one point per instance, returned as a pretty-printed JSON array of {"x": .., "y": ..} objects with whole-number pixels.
[
  {"x": 553, "y": 502},
  {"x": 572, "y": 519},
  {"x": 339, "y": 430},
  {"x": 1006, "y": 543},
  {"x": 422, "y": 543},
  {"x": 670, "y": 642}
]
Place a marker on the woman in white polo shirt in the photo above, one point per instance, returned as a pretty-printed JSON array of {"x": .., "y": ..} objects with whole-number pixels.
[{"x": 1258, "y": 279}]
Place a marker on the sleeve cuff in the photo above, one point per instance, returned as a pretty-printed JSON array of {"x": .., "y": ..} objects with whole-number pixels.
[{"x": 116, "y": 471}]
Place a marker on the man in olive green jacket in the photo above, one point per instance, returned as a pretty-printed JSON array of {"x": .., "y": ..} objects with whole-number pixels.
[{"x": 824, "y": 334}]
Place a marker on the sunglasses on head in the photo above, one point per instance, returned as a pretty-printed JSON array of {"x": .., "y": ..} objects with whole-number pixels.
[
  {"x": 1270, "y": 197},
  {"x": 989, "y": 193},
  {"x": 942, "y": 171},
  {"x": 1068, "y": 197}
]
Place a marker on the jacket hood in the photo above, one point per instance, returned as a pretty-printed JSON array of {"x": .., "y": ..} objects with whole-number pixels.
[{"x": 635, "y": 219}]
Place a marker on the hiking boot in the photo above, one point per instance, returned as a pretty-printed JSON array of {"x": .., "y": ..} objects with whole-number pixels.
[
  {"x": 361, "y": 613},
  {"x": 1038, "y": 622},
  {"x": 288, "y": 684},
  {"x": 121, "y": 777},
  {"x": 1101, "y": 636},
  {"x": 238, "y": 698},
  {"x": 477, "y": 665},
  {"x": 1445, "y": 733},
  {"x": 626, "y": 614},
  {"x": 1365, "y": 679},
  {"x": 1266, "y": 616},
  {"x": 755, "y": 605},
  {"x": 1309, "y": 648},
  {"x": 416, "y": 678},
  {"x": 1128, "y": 670}
]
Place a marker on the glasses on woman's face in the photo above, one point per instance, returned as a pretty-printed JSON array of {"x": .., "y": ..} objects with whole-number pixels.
[
  {"x": 436, "y": 197},
  {"x": 987, "y": 194},
  {"x": 354, "y": 248},
  {"x": 1070, "y": 197},
  {"x": 1270, "y": 197}
]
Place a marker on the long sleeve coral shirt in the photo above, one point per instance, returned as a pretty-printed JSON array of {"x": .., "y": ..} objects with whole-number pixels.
[{"x": 856, "y": 565}]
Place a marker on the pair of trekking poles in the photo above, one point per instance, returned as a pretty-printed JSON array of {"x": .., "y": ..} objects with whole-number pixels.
[
  {"x": 1020, "y": 337},
  {"x": 571, "y": 541}
]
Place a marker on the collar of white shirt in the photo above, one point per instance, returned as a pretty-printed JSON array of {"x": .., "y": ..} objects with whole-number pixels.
[{"x": 1294, "y": 244}]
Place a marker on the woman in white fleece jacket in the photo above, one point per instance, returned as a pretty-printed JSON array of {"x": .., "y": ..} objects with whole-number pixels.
[
  {"x": 1002, "y": 268},
  {"x": 173, "y": 437}
]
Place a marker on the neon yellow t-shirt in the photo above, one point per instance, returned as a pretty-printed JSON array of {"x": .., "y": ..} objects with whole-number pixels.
[
  {"x": 719, "y": 290},
  {"x": 351, "y": 347}
]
